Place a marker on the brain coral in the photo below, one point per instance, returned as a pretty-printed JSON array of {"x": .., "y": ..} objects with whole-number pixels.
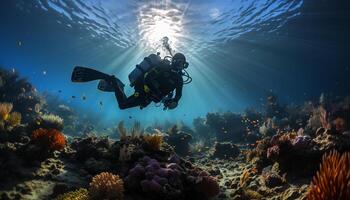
[
  {"x": 106, "y": 186},
  {"x": 332, "y": 181}
]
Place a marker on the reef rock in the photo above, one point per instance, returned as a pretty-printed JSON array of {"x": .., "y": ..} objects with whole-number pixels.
[{"x": 225, "y": 150}]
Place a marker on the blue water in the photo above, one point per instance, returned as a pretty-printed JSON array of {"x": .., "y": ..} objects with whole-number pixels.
[{"x": 238, "y": 50}]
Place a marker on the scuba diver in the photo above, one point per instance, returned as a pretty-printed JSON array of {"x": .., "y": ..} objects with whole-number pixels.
[{"x": 154, "y": 80}]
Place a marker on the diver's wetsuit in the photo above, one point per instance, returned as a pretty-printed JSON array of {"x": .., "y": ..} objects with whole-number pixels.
[{"x": 162, "y": 80}]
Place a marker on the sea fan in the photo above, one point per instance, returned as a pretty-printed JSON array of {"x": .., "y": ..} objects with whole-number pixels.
[
  {"x": 122, "y": 130},
  {"x": 332, "y": 181},
  {"x": 5, "y": 109},
  {"x": 49, "y": 139},
  {"x": 154, "y": 141},
  {"x": 106, "y": 186}
]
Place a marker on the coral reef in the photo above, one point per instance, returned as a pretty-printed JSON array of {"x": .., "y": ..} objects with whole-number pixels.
[
  {"x": 332, "y": 181},
  {"x": 179, "y": 140},
  {"x": 172, "y": 180},
  {"x": 106, "y": 186},
  {"x": 23, "y": 96},
  {"x": 227, "y": 126},
  {"x": 224, "y": 150},
  {"x": 254, "y": 155}
]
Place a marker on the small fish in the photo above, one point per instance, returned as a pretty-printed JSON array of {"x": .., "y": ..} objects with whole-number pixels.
[
  {"x": 19, "y": 43},
  {"x": 73, "y": 97},
  {"x": 44, "y": 72},
  {"x": 101, "y": 104},
  {"x": 59, "y": 91},
  {"x": 83, "y": 98},
  {"x": 130, "y": 117}
]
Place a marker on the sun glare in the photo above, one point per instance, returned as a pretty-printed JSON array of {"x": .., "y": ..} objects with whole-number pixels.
[{"x": 154, "y": 24}]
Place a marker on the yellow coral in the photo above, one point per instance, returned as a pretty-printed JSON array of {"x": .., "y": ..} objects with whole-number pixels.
[
  {"x": 14, "y": 119},
  {"x": 106, "y": 186},
  {"x": 5, "y": 109},
  {"x": 80, "y": 194},
  {"x": 154, "y": 141},
  {"x": 332, "y": 181},
  {"x": 244, "y": 178}
]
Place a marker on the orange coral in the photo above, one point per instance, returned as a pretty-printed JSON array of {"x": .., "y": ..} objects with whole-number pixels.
[
  {"x": 106, "y": 186},
  {"x": 332, "y": 181},
  {"x": 51, "y": 139}
]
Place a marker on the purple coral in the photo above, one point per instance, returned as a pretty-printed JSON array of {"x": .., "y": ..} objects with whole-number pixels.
[
  {"x": 151, "y": 186},
  {"x": 137, "y": 171},
  {"x": 301, "y": 142}
]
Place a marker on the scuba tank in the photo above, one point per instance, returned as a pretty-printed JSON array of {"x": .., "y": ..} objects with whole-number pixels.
[{"x": 140, "y": 69}]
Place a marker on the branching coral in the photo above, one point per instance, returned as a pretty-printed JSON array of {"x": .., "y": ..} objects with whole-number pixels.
[
  {"x": 49, "y": 139},
  {"x": 153, "y": 142},
  {"x": 332, "y": 181},
  {"x": 80, "y": 194},
  {"x": 106, "y": 186}
]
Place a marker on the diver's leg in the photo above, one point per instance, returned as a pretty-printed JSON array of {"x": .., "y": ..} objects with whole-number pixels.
[{"x": 129, "y": 102}]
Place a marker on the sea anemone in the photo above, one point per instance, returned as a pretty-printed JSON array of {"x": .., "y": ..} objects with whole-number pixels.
[
  {"x": 80, "y": 194},
  {"x": 50, "y": 139},
  {"x": 51, "y": 121},
  {"x": 5, "y": 109},
  {"x": 154, "y": 141},
  {"x": 106, "y": 186},
  {"x": 332, "y": 181}
]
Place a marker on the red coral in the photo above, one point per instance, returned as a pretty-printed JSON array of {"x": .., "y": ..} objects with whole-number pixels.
[{"x": 51, "y": 139}]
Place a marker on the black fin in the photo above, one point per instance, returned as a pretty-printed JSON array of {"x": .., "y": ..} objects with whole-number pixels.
[
  {"x": 104, "y": 86},
  {"x": 84, "y": 74}
]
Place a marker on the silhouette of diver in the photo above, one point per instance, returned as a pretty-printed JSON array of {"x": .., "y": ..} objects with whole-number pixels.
[{"x": 154, "y": 79}]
